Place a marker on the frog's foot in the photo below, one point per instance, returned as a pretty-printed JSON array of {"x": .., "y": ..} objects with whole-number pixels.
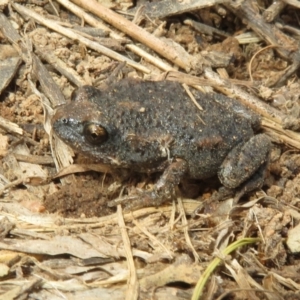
[
  {"x": 162, "y": 191},
  {"x": 244, "y": 161},
  {"x": 138, "y": 200},
  {"x": 254, "y": 182}
]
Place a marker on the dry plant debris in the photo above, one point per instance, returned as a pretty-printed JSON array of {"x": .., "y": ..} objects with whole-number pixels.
[{"x": 59, "y": 239}]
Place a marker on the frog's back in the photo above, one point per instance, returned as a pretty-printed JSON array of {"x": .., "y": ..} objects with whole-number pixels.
[
  {"x": 156, "y": 107},
  {"x": 162, "y": 112}
]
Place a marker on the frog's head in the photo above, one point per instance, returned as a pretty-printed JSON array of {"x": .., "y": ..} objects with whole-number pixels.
[{"x": 88, "y": 130}]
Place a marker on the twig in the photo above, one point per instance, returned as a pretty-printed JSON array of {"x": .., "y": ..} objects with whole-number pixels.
[
  {"x": 248, "y": 100},
  {"x": 248, "y": 38},
  {"x": 268, "y": 32},
  {"x": 182, "y": 59},
  {"x": 291, "y": 29},
  {"x": 80, "y": 13},
  {"x": 34, "y": 159},
  {"x": 154, "y": 60},
  {"x": 194, "y": 80},
  {"x": 203, "y": 28}
]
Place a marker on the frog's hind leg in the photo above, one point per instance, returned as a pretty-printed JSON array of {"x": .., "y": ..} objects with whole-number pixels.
[
  {"x": 246, "y": 161},
  {"x": 241, "y": 172}
]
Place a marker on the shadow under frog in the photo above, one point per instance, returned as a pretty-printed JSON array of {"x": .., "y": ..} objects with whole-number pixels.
[{"x": 154, "y": 127}]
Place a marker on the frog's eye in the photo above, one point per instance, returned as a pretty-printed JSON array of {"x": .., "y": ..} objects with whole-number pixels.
[{"x": 95, "y": 133}]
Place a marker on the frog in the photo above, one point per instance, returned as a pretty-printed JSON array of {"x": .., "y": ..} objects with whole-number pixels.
[{"x": 153, "y": 126}]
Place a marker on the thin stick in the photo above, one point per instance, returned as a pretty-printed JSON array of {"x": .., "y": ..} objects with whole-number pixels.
[
  {"x": 248, "y": 100},
  {"x": 158, "y": 45}
]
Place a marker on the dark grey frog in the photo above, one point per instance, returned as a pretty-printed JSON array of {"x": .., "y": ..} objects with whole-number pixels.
[{"x": 150, "y": 126}]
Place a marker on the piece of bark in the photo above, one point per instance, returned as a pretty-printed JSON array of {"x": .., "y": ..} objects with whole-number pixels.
[
  {"x": 273, "y": 10},
  {"x": 8, "y": 69},
  {"x": 7, "y": 51},
  {"x": 48, "y": 85},
  {"x": 8, "y": 31},
  {"x": 111, "y": 44},
  {"x": 203, "y": 28},
  {"x": 217, "y": 59},
  {"x": 168, "y": 8}
]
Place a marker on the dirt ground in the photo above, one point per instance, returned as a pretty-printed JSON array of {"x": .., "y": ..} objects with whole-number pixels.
[{"x": 59, "y": 238}]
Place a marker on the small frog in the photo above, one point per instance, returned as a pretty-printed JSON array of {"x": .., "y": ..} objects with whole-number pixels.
[{"x": 153, "y": 126}]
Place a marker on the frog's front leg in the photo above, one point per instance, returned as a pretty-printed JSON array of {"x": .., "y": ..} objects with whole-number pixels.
[
  {"x": 162, "y": 191},
  {"x": 246, "y": 162}
]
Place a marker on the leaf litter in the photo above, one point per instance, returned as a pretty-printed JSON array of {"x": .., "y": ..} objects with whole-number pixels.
[{"x": 58, "y": 237}]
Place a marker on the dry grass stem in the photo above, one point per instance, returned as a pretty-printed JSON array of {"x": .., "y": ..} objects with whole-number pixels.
[
  {"x": 132, "y": 292},
  {"x": 280, "y": 135},
  {"x": 186, "y": 230}
]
